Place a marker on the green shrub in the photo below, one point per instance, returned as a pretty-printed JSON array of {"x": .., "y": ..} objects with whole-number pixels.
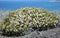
[{"x": 16, "y": 22}]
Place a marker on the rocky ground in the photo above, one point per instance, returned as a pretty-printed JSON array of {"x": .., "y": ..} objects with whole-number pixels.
[
  {"x": 3, "y": 13},
  {"x": 52, "y": 33}
]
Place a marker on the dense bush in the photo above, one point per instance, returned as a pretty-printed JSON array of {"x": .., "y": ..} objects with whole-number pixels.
[{"x": 16, "y": 22}]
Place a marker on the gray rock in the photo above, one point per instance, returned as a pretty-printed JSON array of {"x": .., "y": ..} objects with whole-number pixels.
[{"x": 51, "y": 33}]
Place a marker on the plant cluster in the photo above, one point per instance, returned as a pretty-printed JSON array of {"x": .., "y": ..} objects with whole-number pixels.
[{"x": 16, "y": 22}]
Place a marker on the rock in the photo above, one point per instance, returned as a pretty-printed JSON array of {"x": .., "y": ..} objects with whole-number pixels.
[{"x": 51, "y": 33}]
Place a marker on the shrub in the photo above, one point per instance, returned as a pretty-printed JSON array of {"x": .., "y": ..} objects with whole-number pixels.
[{"x": 16, "y": 22}]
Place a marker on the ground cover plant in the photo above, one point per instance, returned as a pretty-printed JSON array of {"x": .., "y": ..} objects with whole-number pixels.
[{"x": 18, "y": 21}]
